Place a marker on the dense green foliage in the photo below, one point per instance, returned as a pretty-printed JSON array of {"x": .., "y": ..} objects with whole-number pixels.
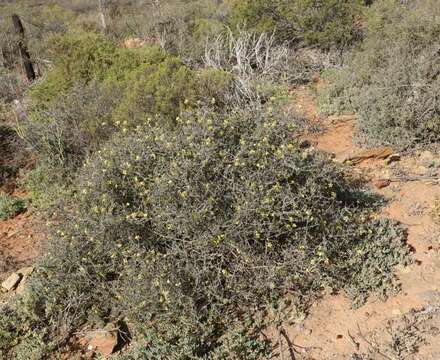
[
  {"x": 312, "y": 22},
  {"x": 392, "y": 80},
  {"x": 11, "y": 206},
  {"x": 84, "y": 57}
]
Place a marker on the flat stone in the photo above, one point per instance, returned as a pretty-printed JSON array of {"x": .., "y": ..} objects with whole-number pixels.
[
  {"x": 426, "y": 156},
  {"x": 382, "y": 153},
  {"x": 105, "y": 341},
  {"x": 393, "y": 158},
  {"x": 11, "y": 282},
  {"x": 382, "y": 183},
  {"x": 25, "y": 273}
]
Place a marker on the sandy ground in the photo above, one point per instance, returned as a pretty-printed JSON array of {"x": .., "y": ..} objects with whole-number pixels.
[{"x": 333, "y": 329}]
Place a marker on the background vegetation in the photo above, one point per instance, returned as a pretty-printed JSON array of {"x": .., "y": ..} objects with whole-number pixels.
[
  {"x": 311, "y": 22},
  {"x": 391, "y": 80}
]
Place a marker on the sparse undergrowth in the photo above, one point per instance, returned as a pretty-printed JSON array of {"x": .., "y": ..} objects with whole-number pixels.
[
  {"x": 402, "y": 337},
  {"x": 392, "y": 80}
]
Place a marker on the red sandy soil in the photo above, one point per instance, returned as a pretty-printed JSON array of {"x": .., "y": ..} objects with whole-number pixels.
[
  {"x": 333, "y": 329},
  {"x": 21, "y": 240}
]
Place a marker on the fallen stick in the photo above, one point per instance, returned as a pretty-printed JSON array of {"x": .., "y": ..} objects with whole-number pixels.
[
  {"x": 376, "y": 153},
  {"x": 413, "y": 178}
]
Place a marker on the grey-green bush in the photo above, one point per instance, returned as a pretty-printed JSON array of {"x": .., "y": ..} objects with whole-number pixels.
[
  {"x": 185, "y": 232},
  {"x": 392, "y": 81}
]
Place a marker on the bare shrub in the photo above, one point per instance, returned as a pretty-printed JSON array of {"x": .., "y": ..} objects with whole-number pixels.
[
  {"x": 63, "y": 134},
  {"x": 257, "y": 61},
  {"x": 11, "y": 87},
  {"x": 402, "y": 337},
  {"x": 14, "y": 156},
  {"x": 246, "y": 53},
  {"x": 68, "y": 130}
]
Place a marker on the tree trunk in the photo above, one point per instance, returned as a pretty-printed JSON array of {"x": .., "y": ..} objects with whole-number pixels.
[
  {"x": 24, "y": 53},
  {"x": 102, "y": 15}
]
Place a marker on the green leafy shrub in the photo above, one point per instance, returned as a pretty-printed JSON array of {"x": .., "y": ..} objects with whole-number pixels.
[
  {"x": 11, "y": 206},
  {"x": 392, "y": 80},
  {"x": 81, "y": 57},
  {"x": 182, "y": 231},
  {"x": 313, "y": 22},
  {"x": 159, "y": 90},
  {"x": 78, "y": 58}
]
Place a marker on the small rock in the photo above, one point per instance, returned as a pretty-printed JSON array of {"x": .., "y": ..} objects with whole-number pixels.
[
  {"x": 105, "y": 341},
  {"x": 304, "y": 144},
  {"x": 382, "y": 183},
  {"x": 376, "y": 153},
  {"x": 393, "y": 158},
  {"x": 427, "y": 156},
  {"x": 11, "y": 282},
  {"x": 421, "y": 170},
  {"x": 25, "y": 273},
  {"x": 396, "y": 312}
]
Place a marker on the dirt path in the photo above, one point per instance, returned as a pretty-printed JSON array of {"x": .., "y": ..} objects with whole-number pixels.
[{"x": 333, "y": 330}]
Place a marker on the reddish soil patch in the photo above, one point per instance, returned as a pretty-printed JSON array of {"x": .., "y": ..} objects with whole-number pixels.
[
  {"x": 20, "y": 242},
  {"x": 337, "y": 139},
  {"x": 305, "y": 103},
  {"x": 333, "y": 329}
]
